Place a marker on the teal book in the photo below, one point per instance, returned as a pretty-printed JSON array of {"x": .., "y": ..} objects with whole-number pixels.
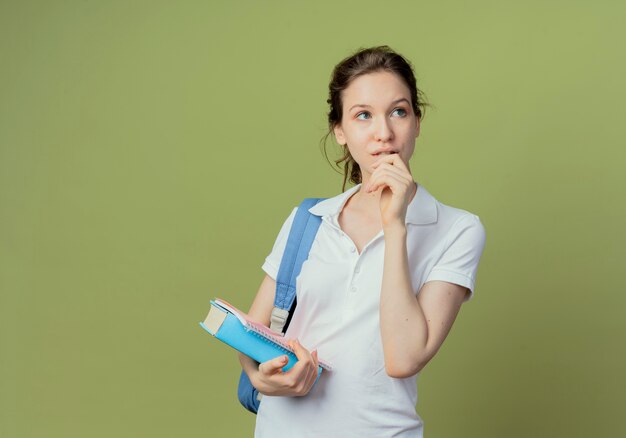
[{"x": 231, "y": 326}]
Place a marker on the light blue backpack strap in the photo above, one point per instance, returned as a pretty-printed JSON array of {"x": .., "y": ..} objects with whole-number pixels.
[
  {"x": 301, "y": 237},
  {"x": 299, "y": 242}
]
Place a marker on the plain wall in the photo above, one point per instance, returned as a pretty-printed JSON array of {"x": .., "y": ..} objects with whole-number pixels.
[{"x": 150, "y": 151}]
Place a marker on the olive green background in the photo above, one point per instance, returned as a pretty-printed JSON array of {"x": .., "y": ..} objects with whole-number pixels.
[{"x": 150, "y": 151}]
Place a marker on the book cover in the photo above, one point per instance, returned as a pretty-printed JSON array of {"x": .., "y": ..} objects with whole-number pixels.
[{"x": 230, "y": 325}]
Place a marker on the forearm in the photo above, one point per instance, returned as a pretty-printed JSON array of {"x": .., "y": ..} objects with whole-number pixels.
[
  {"x": 249, "y": 365},
  {"x": 403, "y": 325}
]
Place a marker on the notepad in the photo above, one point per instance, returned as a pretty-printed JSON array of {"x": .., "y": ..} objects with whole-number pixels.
[{"x": 230, "y": 325}]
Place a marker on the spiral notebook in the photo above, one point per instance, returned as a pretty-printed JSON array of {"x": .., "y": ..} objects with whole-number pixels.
[{"x": 230, "y": 325}]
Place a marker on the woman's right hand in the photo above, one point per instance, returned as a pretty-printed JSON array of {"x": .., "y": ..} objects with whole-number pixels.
[{"x": 270, "y": 379}]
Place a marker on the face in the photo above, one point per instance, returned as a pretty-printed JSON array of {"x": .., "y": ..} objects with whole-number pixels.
[{"x": 377, "y": 119}]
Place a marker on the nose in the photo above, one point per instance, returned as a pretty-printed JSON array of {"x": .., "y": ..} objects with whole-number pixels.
[{"x": 382, "y": 130}]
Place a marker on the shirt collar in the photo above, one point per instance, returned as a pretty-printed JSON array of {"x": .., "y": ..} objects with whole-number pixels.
[{"x": 422, "y": 210}]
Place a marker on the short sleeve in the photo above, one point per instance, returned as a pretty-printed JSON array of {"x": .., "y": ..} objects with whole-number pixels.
[
  {"x": 459, "y": 261},
  {"x": 272, "y": 261}
]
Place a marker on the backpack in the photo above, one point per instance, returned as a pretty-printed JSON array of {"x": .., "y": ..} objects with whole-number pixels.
[{"x": 299, "y": 242}]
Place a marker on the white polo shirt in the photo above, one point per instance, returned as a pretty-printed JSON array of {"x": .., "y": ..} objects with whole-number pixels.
[{"x": 338, "y": 293}]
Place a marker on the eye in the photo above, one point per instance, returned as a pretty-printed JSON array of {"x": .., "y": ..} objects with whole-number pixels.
[
  {"x": 363, "y": 115},
  {"x": 400, "y": 112}
]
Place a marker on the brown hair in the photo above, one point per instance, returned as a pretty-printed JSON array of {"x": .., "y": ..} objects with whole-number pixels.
[{"x": 364, "y": 61}]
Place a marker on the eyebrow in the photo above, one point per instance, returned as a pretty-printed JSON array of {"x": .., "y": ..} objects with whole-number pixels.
[{"x": 362, "y": 105}]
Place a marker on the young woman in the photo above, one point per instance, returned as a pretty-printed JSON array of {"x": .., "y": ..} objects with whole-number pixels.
[{"x": 385, "y": 278}]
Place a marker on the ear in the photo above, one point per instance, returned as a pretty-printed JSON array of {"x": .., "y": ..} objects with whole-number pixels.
[
  {"x": 341, "y": 139},
  {"x": 418, "y": 123}
]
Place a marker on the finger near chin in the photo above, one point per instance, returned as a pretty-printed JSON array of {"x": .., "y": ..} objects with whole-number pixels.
[
  {"x": 400, "y": 174},
  {"x": 399, "y": 171},
  {"x": 381, "y": 181},
  {"x": 372, "y": 188},
  {"x": 393, "y": 159},
  {"x": 392, "y": 180}
]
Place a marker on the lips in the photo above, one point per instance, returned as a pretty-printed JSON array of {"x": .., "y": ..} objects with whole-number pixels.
[{"x": 379, "y": 153}]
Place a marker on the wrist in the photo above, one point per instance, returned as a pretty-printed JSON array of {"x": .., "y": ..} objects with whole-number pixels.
[
  {"x": 249, "y": 365},
  {"x": 395, "y": 229}
]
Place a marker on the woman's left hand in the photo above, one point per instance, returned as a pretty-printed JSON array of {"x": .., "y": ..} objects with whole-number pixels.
[{"x": 392, "y": 175}]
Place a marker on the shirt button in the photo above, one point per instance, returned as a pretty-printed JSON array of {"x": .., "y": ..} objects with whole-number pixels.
[
  {"x": 357, "y": 270},
  {"x": 353, "y": 288}
]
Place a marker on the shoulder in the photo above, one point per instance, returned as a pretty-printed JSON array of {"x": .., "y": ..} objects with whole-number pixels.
[
  {"x": 462, "y": 244},
  {"x": 448, "y": 216},
  {"x": 457, "y": 216},
  {"x": 461, "y": 222},
  {"x": 458, "y": 241},
  {"x": 444, "y": 223}
]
